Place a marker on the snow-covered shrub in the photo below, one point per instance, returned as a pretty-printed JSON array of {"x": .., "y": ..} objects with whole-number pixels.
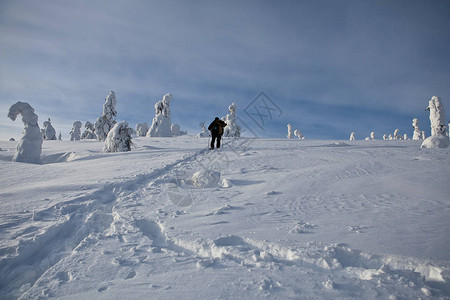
[
  {"x": 232, "y": 129},
  {"x": 204, "y": 132},
  {"x": 141, "y": 129},
  {"x": 405, "y": 136},
  {"x": 206, "y": 178},
  {"x": 89, "y": 131},
  {"x": 161, "y": 124},
  {"x": 75, "y": 134},
  {"x": 417, "y": 134},
  {"x": 385, "y": 137},
  {"x": 30, "y": 146},
  {"x": 424, "y": 136},
  {"x": 49, "y": 131},
  {"x": 106, "y": 121},
  {"x": 119, "y": 138},
  {"x": 352, "y": 136},
  {"x": 299, "y": 134},
  {"x": 290, "y": 132},
  {"x": 372, "y": 135},
  {"x": 60, "y": 136},
  {"x": 438, "y": 138},
  {"x": 175, "y": 128}
]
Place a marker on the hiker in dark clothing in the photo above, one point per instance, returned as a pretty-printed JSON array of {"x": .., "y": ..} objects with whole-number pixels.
[{"x": 216, "y": 128}]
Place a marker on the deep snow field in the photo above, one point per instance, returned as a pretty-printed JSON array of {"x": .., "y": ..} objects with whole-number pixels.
[{"x": 286, "y": 219}]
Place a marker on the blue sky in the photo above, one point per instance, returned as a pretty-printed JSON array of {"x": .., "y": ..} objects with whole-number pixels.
[{"x": 332, "y": 67}]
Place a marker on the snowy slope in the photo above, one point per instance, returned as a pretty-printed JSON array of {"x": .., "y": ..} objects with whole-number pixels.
[{"x": 285, "y": 219}]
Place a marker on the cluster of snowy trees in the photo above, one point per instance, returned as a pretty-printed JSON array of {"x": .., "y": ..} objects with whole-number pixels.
[
  {"x": 296, "y": 133},
  {"x": 439, "y": 135},
  {"x": 118, "y": 136}
]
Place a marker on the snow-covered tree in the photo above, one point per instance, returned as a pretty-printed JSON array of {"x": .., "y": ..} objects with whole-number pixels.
[
  {"x": 390, "y": 137},
  {"x": 141, "y": 129},
  {"x": 106, "y": 121},
  {"x": 204, "y": 132},
  {"x": 175, "y": 128},
  {"x": 75, "y": 134},
  {"x": 60, "y": 136},
  {"x": 424, "y": 136},
  {"x": 30, "y": 146},
  {"x": 437, "y": 115},
  {"x": 352, "y": 136},
  {"x": 397, "y": 135},
  {"x": 438, "y": 138},
  {"x": 49, "y": 131},
  {"x": 119, "y": 138},
  {"x": 372, "y": 135},
  {"x": 290, "y": 131},
  {"x": 385, "y": 137},
  {"x": 161, "y": 124},
  {"x": 299, "y": 134},
  {"x": 89, "y": 131},
  {"x": 232, "y": 129},
  {"x": 417, "y": 134}
]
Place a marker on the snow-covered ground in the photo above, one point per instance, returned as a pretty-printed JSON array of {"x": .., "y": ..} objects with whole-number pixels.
[{"x": 286, "y": 219}]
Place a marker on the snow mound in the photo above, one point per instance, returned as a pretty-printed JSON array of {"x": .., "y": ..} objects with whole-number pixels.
[
  {"x": 206, "y": 178},
  {"x": 58, "y": 157},
  {"x": 435, "y": 141}
]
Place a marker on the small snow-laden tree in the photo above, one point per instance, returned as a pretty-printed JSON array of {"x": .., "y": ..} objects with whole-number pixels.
[
  {"x": 299, "y": 134},
  {"x": 417, "y": 134},
  {"x": 352, "y": 136},
  {"x": 397, "y": 136},
  {"x": 290, "y": 132},
  {"x": 176, "y": 130},
  {"x": 372, "y": 135},
  {"x": 119, "y": 138},
  {"x": 385, "y": 137},
  {"x": 437, "y": 116},
  {"x": 405, "y": 136},
  {"x": 106, "y": 121},
  {"x": 232, "y": 129},
  {"x": 30, "y": 146},
  {"x": 424, "y": 135},
  {"x": 390, "y": 137},
  {"x": 75, "y": 134},
  {"x": 49, "y": 131},
  {"x": 141, "y": 129},
  {"x": 88, "y": 133},
  {"x": 60, "y": 136},
  {"x": 161, "y": 123},
  {"x": 204, "y": 132},
  {"x": 438, "y": 138}
]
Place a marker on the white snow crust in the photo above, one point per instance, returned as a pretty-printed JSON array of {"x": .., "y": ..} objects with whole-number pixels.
[{"x": 280, "y": 219}]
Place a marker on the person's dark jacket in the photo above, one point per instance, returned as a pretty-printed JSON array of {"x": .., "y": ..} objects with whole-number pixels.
[{"x": 216, "y": 127}]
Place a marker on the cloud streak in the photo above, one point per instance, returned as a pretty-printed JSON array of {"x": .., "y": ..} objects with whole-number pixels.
[{"x": 324, "y": 61}]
